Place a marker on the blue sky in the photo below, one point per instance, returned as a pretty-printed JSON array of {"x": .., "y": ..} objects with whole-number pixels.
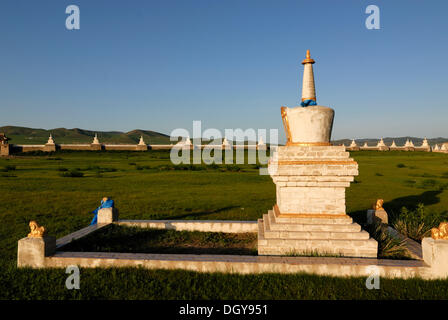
[{"x": 159, "y": 65}]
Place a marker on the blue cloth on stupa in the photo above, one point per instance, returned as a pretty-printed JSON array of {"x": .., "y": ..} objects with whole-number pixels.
[
  {"x": 109, "y": 203},
  {"x": 307, "y": 103}
]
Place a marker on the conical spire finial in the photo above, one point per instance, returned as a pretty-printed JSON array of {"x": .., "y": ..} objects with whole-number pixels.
[
  {"x": 308, "y": 88},
  {"x": 308, "y": 58}
]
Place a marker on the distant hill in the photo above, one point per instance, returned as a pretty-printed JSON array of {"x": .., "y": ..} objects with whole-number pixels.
[
  {"x": 23, "y": 135},
  {"x": 399, "y": 141}
]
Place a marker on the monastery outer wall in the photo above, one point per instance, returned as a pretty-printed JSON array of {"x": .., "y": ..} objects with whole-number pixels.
[{"x": 15, "y": 148}]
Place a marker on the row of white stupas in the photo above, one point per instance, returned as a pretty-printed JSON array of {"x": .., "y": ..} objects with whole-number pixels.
[
  {"x": 408, "y": 145},
  {"x": 225, "y": 143},
  {"x": 95, "y": 140},
  {"x": 186, "y": 142}
]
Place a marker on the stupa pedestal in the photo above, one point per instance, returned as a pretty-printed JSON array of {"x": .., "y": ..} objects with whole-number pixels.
[
  {"x": 310, "y": 214},
  {"x": 310, "y": 177}
]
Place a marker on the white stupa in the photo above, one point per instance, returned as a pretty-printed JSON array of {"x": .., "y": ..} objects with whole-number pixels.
[
  {"x": 186, "y": 142},
  {"x": 444, "y": 147},
  {"x": 141, "y": 142},
  {"x": 261, "y": 142},
  {"x": 425, "y": 143},
  {"x": 95, "y": 140},
  {"x": 393, "y": 145},
  {"x": 225, "y": 143},
  {"x": 436, "y": 148},
  {"x": 411, "y": 144},
  {"x": 381, "y": 143},
  {"x": 50, "y": 140},
  {"x": 365, "y": 145},
  {"x": 353, "y": 144},
  {"x": 308, "y": 124},
  {"x": 407, "y": 143}
]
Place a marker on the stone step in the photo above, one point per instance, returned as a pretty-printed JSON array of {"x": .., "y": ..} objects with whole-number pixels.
[
  {"x": 286, "y": 251},
  {"x": 313, "y": 243},
  {"x": 349, "y": 248},
  {"x": 338, "y": 220},
  {"x": 352, "y": 227},
  {"x": 319, "y": 243},
  {"x": 275, "y": 234}
]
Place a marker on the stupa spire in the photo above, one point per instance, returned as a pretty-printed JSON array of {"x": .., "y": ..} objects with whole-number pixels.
[{"x": 308, "y": 88}]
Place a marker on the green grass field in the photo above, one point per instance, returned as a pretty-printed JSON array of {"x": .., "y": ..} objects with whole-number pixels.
[{"x": 145, "y": 186}]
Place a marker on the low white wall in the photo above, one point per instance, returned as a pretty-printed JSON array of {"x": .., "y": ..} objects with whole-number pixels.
[{"x": 195, "y": 225}]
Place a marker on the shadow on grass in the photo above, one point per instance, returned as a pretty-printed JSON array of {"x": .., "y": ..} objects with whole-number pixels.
[
  {"x": 426, "y": 198},
  {"x": 140, "y": 240},
  {"x": 394, "y": 206}
]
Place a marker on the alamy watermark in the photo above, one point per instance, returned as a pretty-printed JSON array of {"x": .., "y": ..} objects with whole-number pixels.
[
  {"x": 72, "y": 22},
  {"x": 373, "y": 20},
  {"x": 373, "y": 281},
  {"x": 72, "y": 281},
  {"x": 211, "y": 146}
]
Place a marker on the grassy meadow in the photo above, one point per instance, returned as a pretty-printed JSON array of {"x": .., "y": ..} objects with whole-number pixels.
[{"x": 59, "y": 191}]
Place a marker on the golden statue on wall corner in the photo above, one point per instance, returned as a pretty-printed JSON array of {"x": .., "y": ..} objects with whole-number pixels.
[
  {"x": 36, "y": 230},
  {"x": 378, "y": 205},
  {"x": 440, "y": 233}
]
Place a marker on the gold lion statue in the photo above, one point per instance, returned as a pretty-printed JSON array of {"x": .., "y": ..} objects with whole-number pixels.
[
  {"x": 36, "y": 230},
  {"x": 441, "y": 232},
  {"x": 378, "y": 205}
]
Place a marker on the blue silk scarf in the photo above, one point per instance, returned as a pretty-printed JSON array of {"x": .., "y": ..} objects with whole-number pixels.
[
  {"x": 307, "y": 103},
  {"x": 109, "y": 203}
]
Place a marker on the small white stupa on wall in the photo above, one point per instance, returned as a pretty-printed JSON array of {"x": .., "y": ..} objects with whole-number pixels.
[
  {"x": 50, "y": 145},
  {"x": 184, "y": 143},
  {"x": 95, "y": 140},
  {"x": 142, "y": 146},
  {"x": 50, "y": 140},
  {"x": 406, "y": 144},
  {"x": 444, "y": 147},
  {"x": 353, "y": 146},
  {"x": 225, "y": 144},
  {"x": 261, "y": 144},
  {"x": 381, "y": 145}
]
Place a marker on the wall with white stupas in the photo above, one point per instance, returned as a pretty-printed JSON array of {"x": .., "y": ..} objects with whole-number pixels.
[{"x": 408, "y": 146}]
